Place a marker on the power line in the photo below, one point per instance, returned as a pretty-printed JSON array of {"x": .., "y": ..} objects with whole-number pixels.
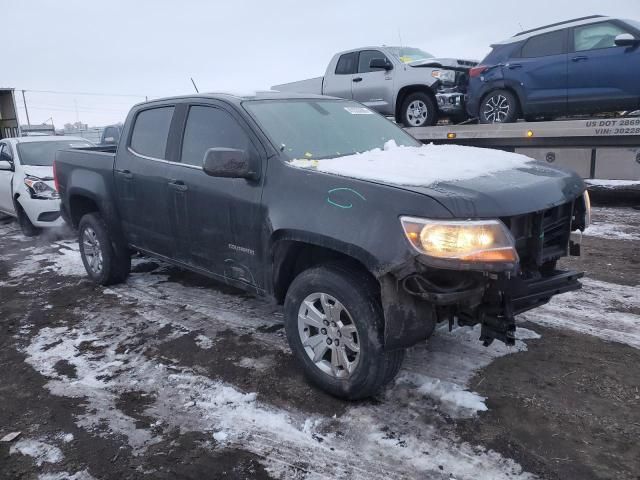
[{"x": 57, "y": 92}]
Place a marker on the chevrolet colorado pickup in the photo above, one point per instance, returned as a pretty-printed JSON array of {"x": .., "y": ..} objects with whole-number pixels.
[
  {"x": 406, "y": 83},
  {"x": 368, "y": 237}
]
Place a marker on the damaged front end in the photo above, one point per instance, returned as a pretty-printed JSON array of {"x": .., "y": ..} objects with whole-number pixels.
[{"x": 487, "y": 291}]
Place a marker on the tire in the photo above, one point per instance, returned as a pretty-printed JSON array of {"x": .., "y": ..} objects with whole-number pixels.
[
  {"x": 499, "y": 106},
  {"x": 365, "y": 367},
  {"x": 28, "y": 229},
  {"x": 422, "y": 103},
  {"x": 106, "y": 261}
]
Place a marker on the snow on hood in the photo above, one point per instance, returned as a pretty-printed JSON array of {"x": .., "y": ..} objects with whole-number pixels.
[
  {"x": 444, "y": 62},
  {"x": 39, "y": 171},
  {"x": 419, "y": 166}
]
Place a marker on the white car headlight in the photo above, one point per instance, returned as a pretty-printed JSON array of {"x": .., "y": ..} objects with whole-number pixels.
[
  {"x": 39, "y": 189},
  {"x": 587, "y": 209},
  {"x": 444, "y": 75},
  {"x": 470, "y": 242}
]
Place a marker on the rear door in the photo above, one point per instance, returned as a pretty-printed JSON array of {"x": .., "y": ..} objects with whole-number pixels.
[
  {"x": 140, "y": 177},
  {"x": 339, "y": 83},
  {"x": 539, "y": 73},
  {"x": 216, "y": 221},
  {"x": 602, "y": 76},
  {"x": 373, "y": 86},
  {"x": 6, "y": 177}
]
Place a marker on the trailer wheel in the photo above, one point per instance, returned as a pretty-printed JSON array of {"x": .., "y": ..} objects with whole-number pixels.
[
  {"x": 334, "y": 323},
  {"x": 499, "y": 106},
  {"x": 106, "y": 262},
  {"x": 418, "y": 110}
]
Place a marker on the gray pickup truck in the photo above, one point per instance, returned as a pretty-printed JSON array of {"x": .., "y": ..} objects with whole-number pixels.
[{"x": 406, "y": 83}]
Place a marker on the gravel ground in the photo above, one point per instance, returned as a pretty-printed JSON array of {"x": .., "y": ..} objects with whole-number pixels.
[{"x": 172, "y": 375}]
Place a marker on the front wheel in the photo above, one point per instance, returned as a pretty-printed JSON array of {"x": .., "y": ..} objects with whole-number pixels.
[
  {"x": 28, "y": 229},
  {"x": 418, "y": 110},
  {"x": 334, "y": 325},
  {"x": 500, "y": 106},
  {"x": 105, "y": 261}
]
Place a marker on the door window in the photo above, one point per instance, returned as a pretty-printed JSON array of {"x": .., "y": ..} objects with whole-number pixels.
[
  {"x": 595, "y": 37},
  {"x": 209, "y": 127},
  {"x": 365, "y": 59},
  {"x": 347, "y": 64},
  {"x": 150, "y": 132},
  {"x": 552, "y": 43},
  {"x": 5, "y": 153}
]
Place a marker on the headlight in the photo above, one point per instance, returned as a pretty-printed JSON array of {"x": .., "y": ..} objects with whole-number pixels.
[
  {"x": 39, "y": 189},
  {"x": 444, "y": 75},
  {"x": 462, "y": 244},
  {"x": 587, "y": 209}
]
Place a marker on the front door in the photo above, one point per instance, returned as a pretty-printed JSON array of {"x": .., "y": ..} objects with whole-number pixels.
[
  {"x": 539, "y": 73},
  {"x": 140, "y": 176},
  {"x": 6, "y": 179},
  {"x": 374, "y": 86},
  {"x": 602, "y": 76},
  {"x": 216, "y": 221}
]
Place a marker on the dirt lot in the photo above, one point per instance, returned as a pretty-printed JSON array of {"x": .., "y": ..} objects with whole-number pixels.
[{"x": 174, "y": 376}]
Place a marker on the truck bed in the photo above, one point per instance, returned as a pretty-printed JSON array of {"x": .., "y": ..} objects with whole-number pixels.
[{"x": 311, "y": 85}]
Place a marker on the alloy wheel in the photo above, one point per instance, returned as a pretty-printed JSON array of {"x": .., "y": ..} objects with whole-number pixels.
[
  {"x": 496, "y": 109},
  {"x": 417, "y": 113},
  {"x": 92, "y": 250}
]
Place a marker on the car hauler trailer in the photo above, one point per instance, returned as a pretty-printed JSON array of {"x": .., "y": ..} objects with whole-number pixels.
[
  {"x": 597, "y": 148},
  {"x": 9, "y": 126}
]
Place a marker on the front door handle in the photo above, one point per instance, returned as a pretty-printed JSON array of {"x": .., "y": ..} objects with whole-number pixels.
[
  {"x": 513, "y": 66},
  {"x": 579, "y": 58},
  {"x": 357, "y": 79},
  {"x": 125, "y": 173},
  {"x": 177, "y": 185}
]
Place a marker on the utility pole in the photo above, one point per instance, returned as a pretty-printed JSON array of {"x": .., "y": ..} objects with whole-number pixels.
[{"x": 25, "y": 108}]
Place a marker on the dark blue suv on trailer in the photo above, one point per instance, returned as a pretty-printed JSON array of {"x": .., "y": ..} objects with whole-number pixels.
[{"x": 583, "y": 66}]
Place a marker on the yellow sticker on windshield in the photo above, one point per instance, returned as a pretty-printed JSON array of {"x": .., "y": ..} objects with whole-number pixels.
[
  {"x": 405, "y": 59},
  {"x": 308, "y": 155}
]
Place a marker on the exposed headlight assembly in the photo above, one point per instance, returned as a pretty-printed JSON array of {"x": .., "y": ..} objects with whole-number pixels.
[
  {"x": 469, "y": 245},
  {"x": 39, "y": 189},
  {"x": 444, "y": 75}
]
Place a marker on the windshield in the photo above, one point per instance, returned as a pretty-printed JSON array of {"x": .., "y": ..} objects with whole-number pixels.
[
  {"x": 44, "y": 153},
  {"x": 408, "y": 54},
  {"x": 317, "y": 129}
]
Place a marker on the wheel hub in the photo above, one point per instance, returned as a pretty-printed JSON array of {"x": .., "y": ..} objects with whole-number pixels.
[
  {"x": 496, "y": 109},
  {"x": 329, "y": 335},
  {"x": 417, "y": 113},
  {"x": 92, "y": 250}
]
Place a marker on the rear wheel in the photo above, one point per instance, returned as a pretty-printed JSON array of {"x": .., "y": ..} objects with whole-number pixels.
[
  {"x": 500, "y": 106},
  {"x": 28, "y": 229},
  {"x": 334, "y": 325},
  {"x": 418, "y": 110},
  {"x": 106, "y": 261}
]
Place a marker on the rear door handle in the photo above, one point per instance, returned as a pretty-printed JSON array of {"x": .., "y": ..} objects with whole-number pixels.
[
  {"x": 579, "y": 58},
  {"x": 513, "y": 66},
  {"x": 357, "y": 79},
  {"x": 178, "y": 185},
  {"x": 125, "y": 173}
]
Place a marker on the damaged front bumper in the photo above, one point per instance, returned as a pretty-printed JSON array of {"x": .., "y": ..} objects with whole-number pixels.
[{"x": 451, "y": 103}]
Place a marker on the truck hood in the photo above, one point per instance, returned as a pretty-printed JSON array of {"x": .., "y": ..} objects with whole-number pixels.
[
  {"x": 448, "y": 63},
  {"x": 469, "y": 182},
  {"x": 39, "y": 171}
]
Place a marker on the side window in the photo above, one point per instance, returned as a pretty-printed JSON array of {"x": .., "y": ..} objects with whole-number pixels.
[
  {"x": 595, "y": 37},
  {"x": 552, "y": 43},
  {"x": 209, "y": 127},
  {"x": 5, "y": 153},
  {"x": 347, "y": 64},
  {"x": 150, "y": 132},
  {"x": 365, "y": 59}
]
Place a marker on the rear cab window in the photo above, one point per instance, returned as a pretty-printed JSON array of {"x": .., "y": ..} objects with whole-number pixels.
[
  {"x": 545, "y": 45},
  {"x": 151, "y": 131},
  {"x": 347, "y": 64}
]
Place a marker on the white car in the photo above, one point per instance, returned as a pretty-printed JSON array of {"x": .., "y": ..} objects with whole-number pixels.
[{"x": 27, "y": 190}]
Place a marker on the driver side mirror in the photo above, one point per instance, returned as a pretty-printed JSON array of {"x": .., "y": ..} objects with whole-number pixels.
[
  {"x": 626, "y": 40},
  {"x": 6, "y": 165},
  {"x": 381, "y": 63},
  {"x": 229, "y": 163}
]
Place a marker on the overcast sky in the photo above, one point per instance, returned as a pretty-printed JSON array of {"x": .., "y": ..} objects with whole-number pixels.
[{"x": 152, "y": 47}]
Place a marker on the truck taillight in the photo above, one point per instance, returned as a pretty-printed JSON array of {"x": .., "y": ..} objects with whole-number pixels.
[
  {"x": 55, "y": 177},
  {"x": 477, "y": 71}
]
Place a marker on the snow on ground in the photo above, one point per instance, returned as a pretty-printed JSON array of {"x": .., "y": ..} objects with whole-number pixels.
[
  {"x": 614, "y": 224},
  {"x": 422, "y": 165},
  {"x": 41, "y": 452},
  {"x": 83, "y": 475},
  {"x": 602, "y": 309}
]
